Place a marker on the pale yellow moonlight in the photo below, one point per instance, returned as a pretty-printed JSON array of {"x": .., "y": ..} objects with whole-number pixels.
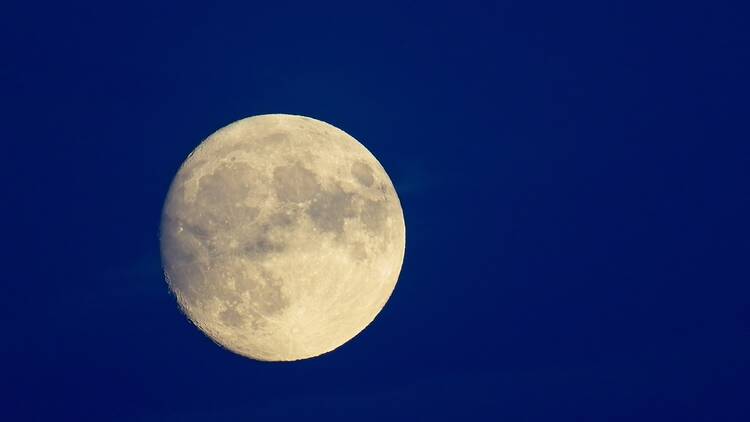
[{"x": 282, "y": 237}]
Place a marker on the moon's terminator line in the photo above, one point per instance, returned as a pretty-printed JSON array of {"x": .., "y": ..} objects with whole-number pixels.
[{"x": 282, "y": 237}]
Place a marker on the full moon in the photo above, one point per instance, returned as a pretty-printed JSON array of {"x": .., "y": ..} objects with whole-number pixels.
[{"x": 282, "y": 237}]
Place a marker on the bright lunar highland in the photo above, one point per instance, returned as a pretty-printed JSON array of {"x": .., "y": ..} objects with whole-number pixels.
[{"x": 282, "y": 237}]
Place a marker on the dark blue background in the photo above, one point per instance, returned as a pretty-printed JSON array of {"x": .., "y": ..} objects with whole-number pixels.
[{"x": 574, "y": 177}]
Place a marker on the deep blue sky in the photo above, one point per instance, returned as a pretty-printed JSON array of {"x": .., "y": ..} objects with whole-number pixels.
[{"x": 574, "y": 177}]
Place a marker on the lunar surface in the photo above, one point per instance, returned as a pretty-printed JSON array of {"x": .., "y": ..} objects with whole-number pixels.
[{"x": 282, "y": 237}]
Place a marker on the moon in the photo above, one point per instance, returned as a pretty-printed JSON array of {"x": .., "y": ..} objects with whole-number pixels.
[{"x": 281, "y": 237}]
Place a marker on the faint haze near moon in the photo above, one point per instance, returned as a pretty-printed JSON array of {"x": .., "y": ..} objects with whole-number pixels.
[{"x": 282, "y": 237}]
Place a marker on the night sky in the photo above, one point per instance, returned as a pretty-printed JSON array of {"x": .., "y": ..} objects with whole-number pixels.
[{"x": 574, "y": 179}]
